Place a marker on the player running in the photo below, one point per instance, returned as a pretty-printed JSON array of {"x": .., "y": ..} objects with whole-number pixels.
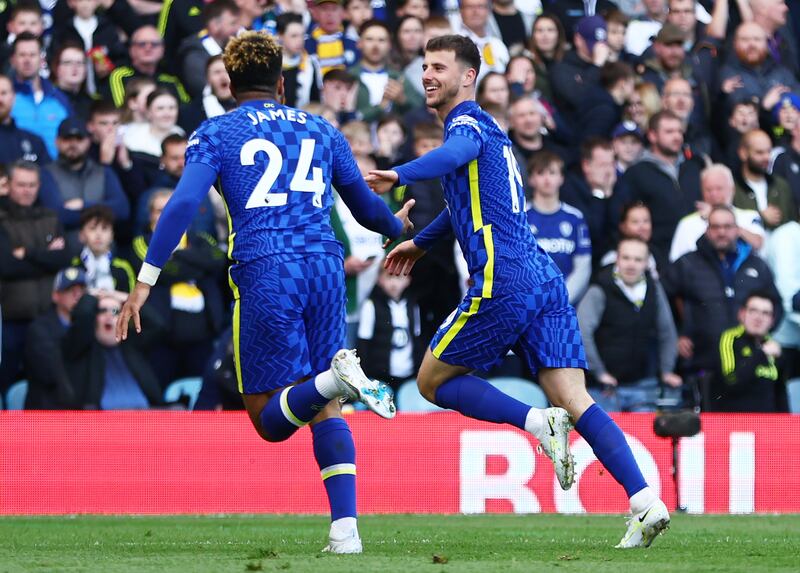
[
  {"x": 275, "y": 166},
  {"x": 517, "y": 298}
]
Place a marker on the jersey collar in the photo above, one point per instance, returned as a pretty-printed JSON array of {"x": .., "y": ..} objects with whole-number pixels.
[{"x": 463, "y": 107}]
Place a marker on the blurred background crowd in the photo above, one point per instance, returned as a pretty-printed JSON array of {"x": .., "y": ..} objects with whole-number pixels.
[{"x": 658, "y": 141}]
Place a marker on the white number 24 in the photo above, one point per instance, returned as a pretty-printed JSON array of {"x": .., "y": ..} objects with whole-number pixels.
[
  {"x": 514, "y": 176},
  {"x": 261, "y": 195}
]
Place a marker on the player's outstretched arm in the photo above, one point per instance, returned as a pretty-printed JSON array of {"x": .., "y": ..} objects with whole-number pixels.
[
  {"x": 436, "y": 230},
  {"x": 458, "y": 150},
  {"x": 195, "y": 182}
]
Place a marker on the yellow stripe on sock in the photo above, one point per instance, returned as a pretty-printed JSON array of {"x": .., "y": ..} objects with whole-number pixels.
[
  {"x": 288, "y": 411},
  {"x": 337, "y": 470}
]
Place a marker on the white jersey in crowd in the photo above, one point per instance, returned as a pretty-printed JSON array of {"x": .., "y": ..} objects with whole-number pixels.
[{"x": 693, "y": 226}]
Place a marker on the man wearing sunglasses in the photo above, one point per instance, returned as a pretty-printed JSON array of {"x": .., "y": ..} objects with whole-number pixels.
[{"x": 146, "y": 52}]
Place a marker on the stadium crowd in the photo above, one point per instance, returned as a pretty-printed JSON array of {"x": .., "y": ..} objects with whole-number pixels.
[{"x": 659, "y": 141}]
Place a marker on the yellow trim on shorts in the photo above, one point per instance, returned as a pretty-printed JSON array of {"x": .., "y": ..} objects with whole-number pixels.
[{"x": 456, "y": 327}]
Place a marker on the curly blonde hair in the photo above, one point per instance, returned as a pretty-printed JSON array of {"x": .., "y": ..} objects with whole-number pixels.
[{"x": 254, "y": 61}]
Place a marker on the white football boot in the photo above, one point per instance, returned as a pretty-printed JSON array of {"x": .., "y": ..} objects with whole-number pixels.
[
  {"x": 349, "y": 544},
  {"x": 645, "y": 526},
  {"x": 555, "y": 444},
  {"x": 354, "y": 384}
]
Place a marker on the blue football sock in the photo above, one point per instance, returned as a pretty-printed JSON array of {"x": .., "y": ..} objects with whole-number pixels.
[
  {"x": 610, "y": 447},
  {"x": 290, "y": 409},
  {"x": 476, "y": 398},
  {"x": 336, "y": 456}
]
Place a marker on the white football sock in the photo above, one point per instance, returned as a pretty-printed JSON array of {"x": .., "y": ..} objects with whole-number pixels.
[
  {"x": 534, "y": 422},
  {"x": 343, "y": 527},
  {"x": 326, "y": 385},
  {"x": 642, "y": 499}
]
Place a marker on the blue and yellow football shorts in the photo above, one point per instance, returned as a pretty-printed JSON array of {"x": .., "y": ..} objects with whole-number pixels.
[
  {"x": 537, "y": 323},
  {"x": 288, "y": 319}
]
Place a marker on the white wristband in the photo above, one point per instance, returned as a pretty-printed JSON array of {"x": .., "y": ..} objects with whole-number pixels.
[{"x": 148, "y": 274}]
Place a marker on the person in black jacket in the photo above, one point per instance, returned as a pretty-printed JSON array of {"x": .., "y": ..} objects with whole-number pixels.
[
  {"x": 16, "y": 143},
  {"x": 49, "y": 387},
  {"x": 748, "y": 377},
  {"x": 105, "y": 374},
  {"x": 601, "y": 109},
  {"x": 389, "y": 342},
  {"x": 711, "y": 285}
]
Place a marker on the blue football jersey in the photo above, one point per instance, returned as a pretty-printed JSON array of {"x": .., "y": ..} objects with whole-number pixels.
[
  {"x": 276, "y": 166},
  {"x": 563, "y": 235},
  {"x": 486, "y": 202}
]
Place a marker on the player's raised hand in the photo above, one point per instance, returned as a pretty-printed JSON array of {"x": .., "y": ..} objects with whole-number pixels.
[
  {"x": 131, "y": 309},
  {"x": 402, "y": 258},
  {"x": 382, "y": 181}
]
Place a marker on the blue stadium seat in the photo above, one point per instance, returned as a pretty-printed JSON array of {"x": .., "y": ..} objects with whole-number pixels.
[
  {"x": 184, "y": 387},
  {"x": 523, "y": 390},
  {"x": 793, "y": 395},
  {"x": 15, "y": 396},
  {"x": 408, "y": 399}
]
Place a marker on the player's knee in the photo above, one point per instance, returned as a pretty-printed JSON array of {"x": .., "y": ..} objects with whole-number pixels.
[{"x": 427, "y": 387}]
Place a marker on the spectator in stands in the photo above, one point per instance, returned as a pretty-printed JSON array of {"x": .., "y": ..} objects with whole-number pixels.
[
  {"x": 221, "y": 19},
  {"x": 643, "y": 104},
  {"x": 301, "y": 83},
  {"x": 23, "y": 17},
  {"x": 590, "y": 188},
  {"x": 521, "y": 76},
  {"x": 187, "y": 297},
  {"x": 81, "y": 182},
  {"x": 743, "y": 119},
  {"x": 259, "y": 15},
  {"x": 134, "y": 110},
  {"x": 434, "y": 280},
  {"x": 559, "y": 228},
  {"x": 663, "y": 179},
  {"x": 570, "y": 12},
  {"x": 642, "y": 29},
  {"x": 143, "y": 139},
  {"x": 146, "y": 52},
  {"x": 17, "y": 143},
  {"x": 718, "y": 188},
  {"x": 215, "y": 100},
  {"x": 515, "y": 26},
  {"x": 39, "y": 106},
  {"x": 475, "y": 25},
  {"x": 627, "y": 141},
  {"x": 527, "y": 131},
  {"x": 668, "y": 59},
  {"x": 617, "y": 24},
  {"x": 32, "y": 250},
  {"x": 326, "y": 41},
  {"x": 683, "y": 15},
  {"x": 105, "y": 374},
  {"x": 103, "y": 271},
  {"x": 418, "y": 8},
  {"x": 390, "y": 134},
  {"x": 178, "y": 20},
  {"x": 756, "y": 188},
  {"x": 636, "y": 223},
  {"x": 433, "y": 27},
  {"x": 747, "y": 378},
  {"x": 602, "y": 107},
  {"x": 547, "y": 46},
  {"x": 339, "y": 92},
  {"x": 69, "y": 69},
  {"x": 409, "y": 42},
  {"x": 573, "y": 77},
  {"x": 356, "y": 13},
  {"x": 750, "y": 72},
  {"x": 785, "y": 165},
  {"x": 677, "y": 97},
  {"x": 785, "y": 115},
  {"x": 493, "y": 88},
  {"x": 629, "y": 333},
  {"x": 49, "y": 387},
  {"x": 380, "y": 89},
  {"x": 95, "y": 35},
  {"x": 771, "y": 15},
  {"x": 783, "y": 256},
  {"x": 711, "y": 284},
  {"x": 389, "y": 342}
]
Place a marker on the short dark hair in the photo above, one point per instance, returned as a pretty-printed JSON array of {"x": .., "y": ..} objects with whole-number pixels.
[
  {"x": 594, "y": 142},
  {"x": 217, "y": 8},
  {"x": 26, "y": 37},
  {"x": 157, "y": 93},
  {"x": 542, "y": 160},
  {"x": 614, "y": 72},
  {"x": 97, "y": 213},
  {"x": 616, "y": 16},
  {"x": 630, "y": 206},
  {"x": 213, "y": 60},
  {"x": 372, "y": 24},
  {"x": 171, "y": 139},
  {"x": 465, "y": 49},
  {"x": 339, "y": 75},
  {"x": 103, "y": 107},
  {"x": 759, "y": 293},
  {"x": 25, "y": 6},
  {"x": 633, "y": 240},
  {"x": 664, "y": 115},
  {"x": 284, "y": 19},
  {"x": 23, "y": 164},
  {"x": 254, "y": 61},
  {"x": 427, "y": 130}
]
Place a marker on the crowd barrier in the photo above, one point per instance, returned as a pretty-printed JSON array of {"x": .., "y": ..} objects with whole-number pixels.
[{"x": 160, "y": 462}]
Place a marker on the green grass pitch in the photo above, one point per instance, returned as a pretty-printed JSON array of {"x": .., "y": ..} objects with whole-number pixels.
[{"x": 407, "y": 543}]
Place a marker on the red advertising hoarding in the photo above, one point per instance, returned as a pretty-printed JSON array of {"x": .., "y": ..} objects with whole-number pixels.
[{"x": 182, "y": 462}]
